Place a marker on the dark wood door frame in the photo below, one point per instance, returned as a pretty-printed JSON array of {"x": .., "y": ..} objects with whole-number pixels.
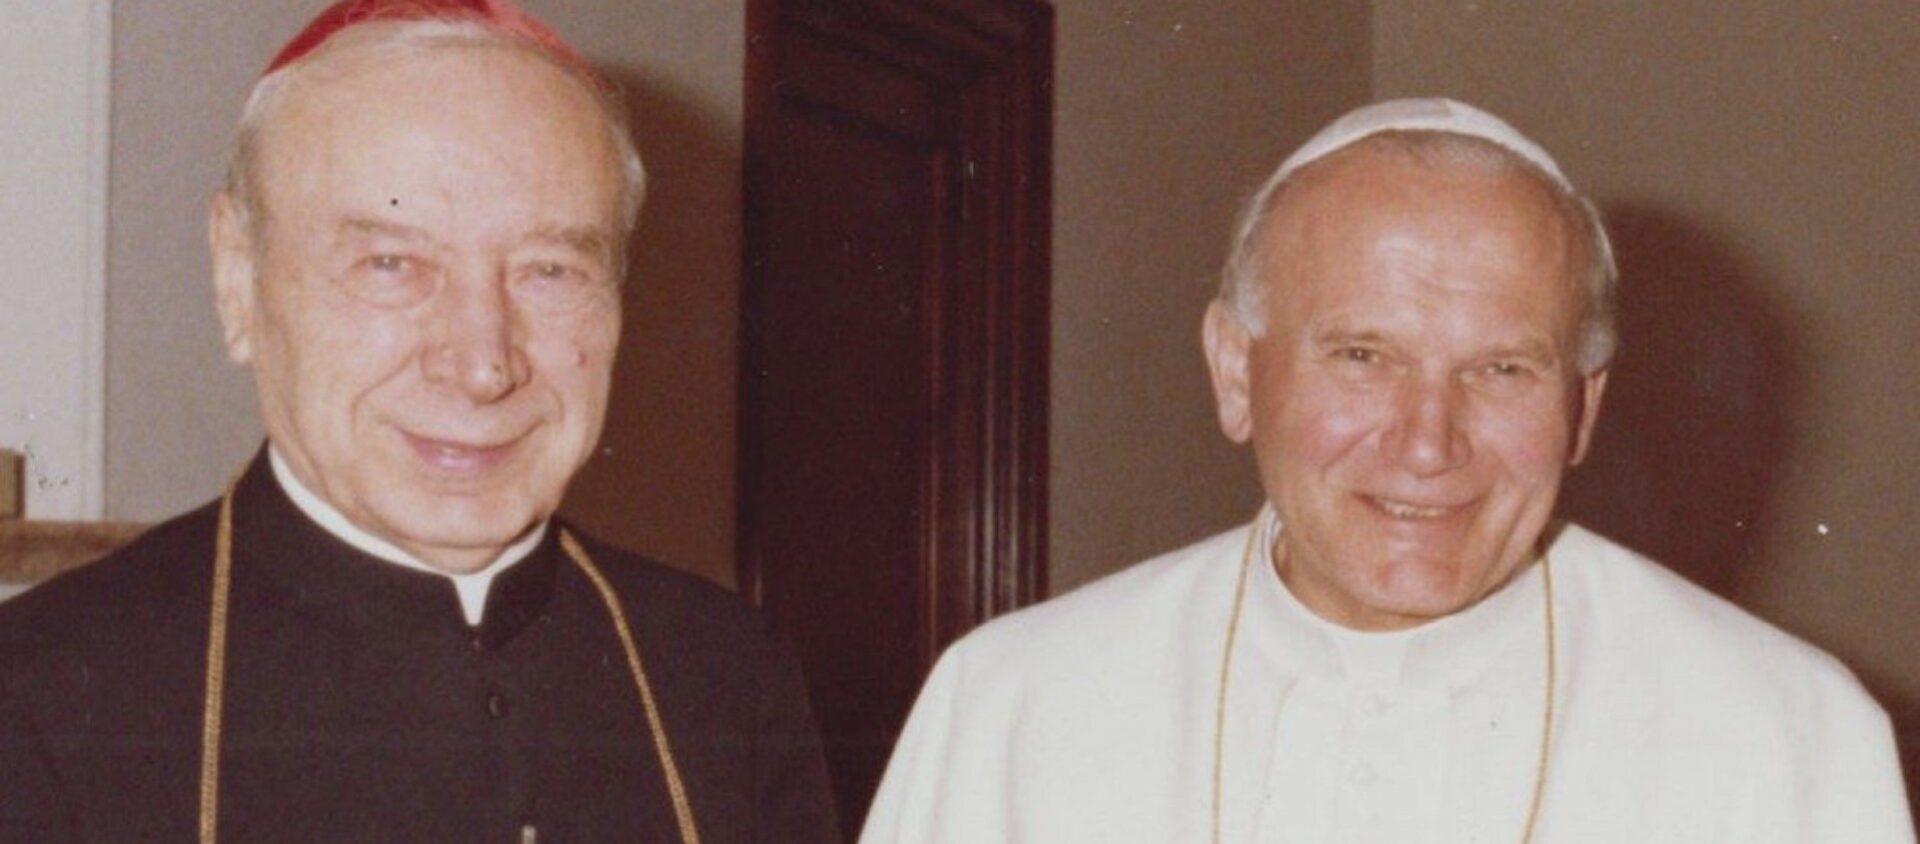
[{"x": 960, "y": 91}]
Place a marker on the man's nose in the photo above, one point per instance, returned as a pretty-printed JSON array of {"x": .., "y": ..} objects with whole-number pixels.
[
  {"x": 1429, "y": 435},
  {"x": 474, "y": 345}
]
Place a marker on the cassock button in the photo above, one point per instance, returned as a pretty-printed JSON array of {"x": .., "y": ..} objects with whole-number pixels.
[
  {"x": 497, "y": 704},
  {"x": 1373, "y": 705}
]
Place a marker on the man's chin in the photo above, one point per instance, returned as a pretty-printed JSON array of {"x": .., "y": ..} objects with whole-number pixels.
[
  {"x": 459, "y": 531},
  {"x": 1423, "y": 588},
  {"x": 457, "y": 554}
]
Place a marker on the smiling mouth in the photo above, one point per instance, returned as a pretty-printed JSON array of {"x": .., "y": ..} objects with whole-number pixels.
[
  {"x": 456, "y": 458},
  {"x": 1404, "y": 510}
]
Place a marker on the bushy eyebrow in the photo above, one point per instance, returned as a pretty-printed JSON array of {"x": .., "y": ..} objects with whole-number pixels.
[
  {"x": 1531, "y": 350},
  {"x": 386, "y": 228},
  {"x": 1336, "y": 337},
  {"x": 586, "y": 240}
]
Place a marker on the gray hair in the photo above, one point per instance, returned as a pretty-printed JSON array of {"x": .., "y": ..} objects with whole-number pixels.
[
  {"x": 1243, "y": 290},
  {"x": 399, "y": 38}
]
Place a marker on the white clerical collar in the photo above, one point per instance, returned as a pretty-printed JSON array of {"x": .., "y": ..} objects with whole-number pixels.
[
  {"x": 1445, "y": 652},
  {"x": 472, "y": 587}
]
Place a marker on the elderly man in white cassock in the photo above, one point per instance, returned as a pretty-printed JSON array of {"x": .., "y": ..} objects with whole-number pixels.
[{"x": 1413, "y": 332}]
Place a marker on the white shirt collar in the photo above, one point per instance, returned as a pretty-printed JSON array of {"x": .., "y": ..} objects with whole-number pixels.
[
  {"x": 1446, "y": 652},
  {"x": 472, "y": 587}
]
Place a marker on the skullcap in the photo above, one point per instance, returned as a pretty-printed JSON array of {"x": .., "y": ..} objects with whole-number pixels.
[
  {"x": 500, "y": 15},
  {"x": 1418, "y": 115}
]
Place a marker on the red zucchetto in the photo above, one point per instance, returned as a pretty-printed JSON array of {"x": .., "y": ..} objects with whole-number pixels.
[{"x": 498, "y": 14}]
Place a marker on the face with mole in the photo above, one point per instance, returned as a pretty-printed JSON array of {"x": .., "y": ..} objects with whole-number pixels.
[
  {"x": 1416, "y": 397},
  {"x": 431, "y": 306}
]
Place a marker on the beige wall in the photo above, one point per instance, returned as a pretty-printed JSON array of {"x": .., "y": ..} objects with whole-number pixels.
[
  {"x": 663, "y": 481},
  {"x": 181, "y": 419},
  {"x": 1163, "y": 118},
  {"x": 1165, "y": 114},
  {"x": 1759, "y": 163},
  {"x": 1758, "y": 167}
]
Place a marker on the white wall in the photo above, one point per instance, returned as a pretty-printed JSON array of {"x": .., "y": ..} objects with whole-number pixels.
[{"x": 53, "y": 103}]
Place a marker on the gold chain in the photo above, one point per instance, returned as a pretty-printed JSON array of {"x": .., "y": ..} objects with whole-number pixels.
[
  {"x": 216, "y": 680},
  {"x": 1546, "y": 718},
  {"x": 1226, "y": 668},
  {"x": 682, "y": 811},
  {"x": 216, "y": 673}
]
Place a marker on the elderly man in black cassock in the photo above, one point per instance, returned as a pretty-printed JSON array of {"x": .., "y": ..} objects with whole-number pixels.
[{"x": 379, "y": 632}]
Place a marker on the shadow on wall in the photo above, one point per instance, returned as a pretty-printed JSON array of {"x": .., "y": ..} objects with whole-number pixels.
[
  {"x": 660, "y": 481},
  {"x": 1694, "y": 432},
  {"x": 1696, "y": 428}
]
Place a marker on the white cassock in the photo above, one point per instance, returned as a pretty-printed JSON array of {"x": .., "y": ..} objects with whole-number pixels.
[{"x": 1677, "y": 718}]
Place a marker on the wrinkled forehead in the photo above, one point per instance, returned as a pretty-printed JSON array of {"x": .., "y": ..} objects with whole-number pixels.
[
  {"x": 1385, "y": 156},
  {"x": 1435, "y": 131},
  {"x": 377, "y": 47},
  {"x": 452, "y": 125},
  {"x": 1456, "y": 196},
  {"x": 415, "y": 86}
]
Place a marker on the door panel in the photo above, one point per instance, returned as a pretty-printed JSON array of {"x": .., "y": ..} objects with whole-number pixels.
[{"x": 894, "y": 325}]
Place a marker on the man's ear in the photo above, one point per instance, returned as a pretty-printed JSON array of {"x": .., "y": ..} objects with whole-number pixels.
[
  {"x": 1592, "y": 387},
  {"x": 1227, "y": 343},
  {"x": 230, "y": 240}
]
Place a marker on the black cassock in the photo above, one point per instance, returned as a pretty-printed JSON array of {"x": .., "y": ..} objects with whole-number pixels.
[{"x": 360, "y": 706}]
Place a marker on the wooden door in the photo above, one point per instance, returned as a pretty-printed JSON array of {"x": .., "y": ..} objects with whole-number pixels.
[{"x": 894, "y": 342}]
